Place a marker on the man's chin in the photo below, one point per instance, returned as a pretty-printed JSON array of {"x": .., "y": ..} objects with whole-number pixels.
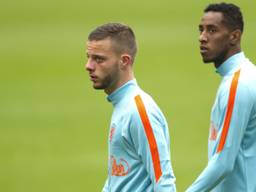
[
  {"x": 98, "y": 87},
  {"x": 207, "y": 60}
]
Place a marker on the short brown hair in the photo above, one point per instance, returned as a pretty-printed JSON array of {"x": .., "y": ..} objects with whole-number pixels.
[{"x": 121, "y": 34}]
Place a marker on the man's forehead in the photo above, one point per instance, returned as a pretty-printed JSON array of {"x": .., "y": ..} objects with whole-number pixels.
[
  {"x": 99, "y": 45},
  {"x": 212, "y": 18}
]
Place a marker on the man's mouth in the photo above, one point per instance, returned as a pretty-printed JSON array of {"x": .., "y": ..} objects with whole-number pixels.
[
  {"x": 203, "y": 49},
  {"x": 93, "y": 77}
]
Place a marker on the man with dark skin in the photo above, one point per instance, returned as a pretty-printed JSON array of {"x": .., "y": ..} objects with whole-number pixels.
[{"x": 231, "y": 143}]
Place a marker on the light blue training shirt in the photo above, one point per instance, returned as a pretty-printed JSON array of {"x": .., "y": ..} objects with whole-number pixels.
[
  {"x": 232, "y": 141},
  {"x": 138, "y": 144}
]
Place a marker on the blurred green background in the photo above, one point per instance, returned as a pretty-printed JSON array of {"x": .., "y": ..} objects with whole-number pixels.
[{"x": 54, "y": 126}]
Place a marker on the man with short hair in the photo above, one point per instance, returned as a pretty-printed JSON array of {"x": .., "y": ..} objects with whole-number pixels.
[
  {"x": 138, "y": 145},
  {"x": 232, "y": 140}
]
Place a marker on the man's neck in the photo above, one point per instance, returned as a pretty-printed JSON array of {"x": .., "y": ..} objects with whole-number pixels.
[{"x": 228, "y": 55}]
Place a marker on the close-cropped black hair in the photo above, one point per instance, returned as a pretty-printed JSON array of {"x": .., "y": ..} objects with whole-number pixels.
[{"x": 233, "y": 17}]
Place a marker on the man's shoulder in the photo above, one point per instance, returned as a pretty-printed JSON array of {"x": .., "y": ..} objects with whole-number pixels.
[
  {"x": 145, "y": 99},
  {"x": 138, "y": 99},
  {"x": 248, "y": 73},
  {"x": 242, "y": 83}
]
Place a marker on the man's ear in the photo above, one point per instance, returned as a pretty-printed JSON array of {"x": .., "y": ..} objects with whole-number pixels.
[
  {"x": 126, "y": 60},
  {"x": 235, "y": 37}
]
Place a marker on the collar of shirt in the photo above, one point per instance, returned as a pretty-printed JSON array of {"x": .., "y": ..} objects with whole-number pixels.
[
  {"x": 231, "y": 65},
  {"x": 119, "y": 93}
]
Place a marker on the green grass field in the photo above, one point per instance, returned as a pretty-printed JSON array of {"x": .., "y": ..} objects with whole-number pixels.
[{"x": 54, "y": 126}]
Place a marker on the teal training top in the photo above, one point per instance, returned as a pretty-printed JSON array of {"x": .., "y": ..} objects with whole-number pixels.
[
  {"x": 138, "y": 144},
  {"x": 232, "y": 140}
]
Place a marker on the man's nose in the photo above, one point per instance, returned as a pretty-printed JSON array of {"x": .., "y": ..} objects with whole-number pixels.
[
  {"x": 89, "y": 66},
  {"x": 202, "y": 37}
]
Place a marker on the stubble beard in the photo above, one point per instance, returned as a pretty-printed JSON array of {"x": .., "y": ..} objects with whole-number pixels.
[
  {"x": 109, "y": 81},
  {"x": 217, "y": 60},
  {"x": 104, "y": 84}
]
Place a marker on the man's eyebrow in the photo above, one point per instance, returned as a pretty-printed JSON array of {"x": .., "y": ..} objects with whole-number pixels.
[
  {"x": 97, "y": 56},
  {"x": 211, "y": 25},
  {"x": 92, "y": 55}
]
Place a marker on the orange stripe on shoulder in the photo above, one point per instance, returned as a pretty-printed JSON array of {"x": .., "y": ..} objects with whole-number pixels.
[
  {"x": 150, "y": 136},
  {"x": 230, "y": 106}
]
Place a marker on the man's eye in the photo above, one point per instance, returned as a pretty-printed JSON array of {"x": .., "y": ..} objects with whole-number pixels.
[
  {"x": 212, "y": 30},
  {"x": 99, "y": 59}
]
